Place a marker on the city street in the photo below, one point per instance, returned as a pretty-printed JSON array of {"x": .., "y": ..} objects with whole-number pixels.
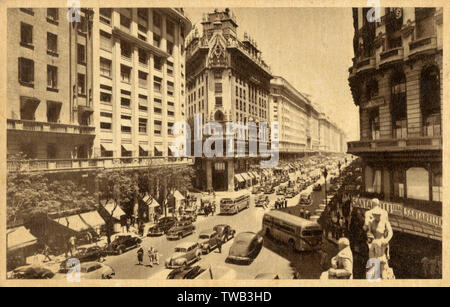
[{"x": 273, "y": 258}]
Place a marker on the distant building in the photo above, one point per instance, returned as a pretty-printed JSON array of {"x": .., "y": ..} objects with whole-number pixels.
[
  {"x": 396, "y": 80},
  {"x": 227, "y": 81}
]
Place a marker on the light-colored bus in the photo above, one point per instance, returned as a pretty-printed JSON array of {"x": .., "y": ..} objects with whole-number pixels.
[
  {"x": 298, "y": 233},
  {"x": 235, "y": 203}
]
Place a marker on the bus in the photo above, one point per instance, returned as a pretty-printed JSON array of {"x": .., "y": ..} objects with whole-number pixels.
[
  {"x": 298, "y": 233},
  {"x": 235, "y": 203}
]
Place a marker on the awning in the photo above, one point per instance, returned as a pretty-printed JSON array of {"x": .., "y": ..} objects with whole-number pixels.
[
  {"x": 178, "y": 195},
  {"x": 239, "y": 178},
  {"x": 128, "y": 147},
  {"x": 256, "y": 175},
  {"x": 118, "y": 212},
  {"x": 19, "y": 237},
  {"x": 250, "y": 175},
  {"x": 144, "y": 147},
  {"x": 92, "y": 219},
  {"x": 159, "y": 148},
  {"x": 107, "y": 146},
  {"x": 245, "y": 176},
  {"x": 150, "y": 201},
  {"x": 73, "y": 222}
]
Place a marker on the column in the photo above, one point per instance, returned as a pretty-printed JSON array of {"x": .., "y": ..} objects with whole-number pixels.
[
  {"x": 230, "y": 174},
  {"x": 208, "y": 167}
]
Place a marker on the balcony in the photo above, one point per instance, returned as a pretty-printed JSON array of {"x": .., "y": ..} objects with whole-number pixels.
[
  {"x": 58, "y": 165},
  {"x": 365, "y": 64},
  {"x": 423, "y": 45},
  {"x": 34, "y": 126},
  {"x": 410, "y": 144},
  {"x": 391, "y": 56}
]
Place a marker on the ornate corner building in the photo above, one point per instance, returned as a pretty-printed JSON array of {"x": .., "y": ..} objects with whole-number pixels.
[
  {"x": 227, "y": 81},
  {"x": 396, "y": 80}
]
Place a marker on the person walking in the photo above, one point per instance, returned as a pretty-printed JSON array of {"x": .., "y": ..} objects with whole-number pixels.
[
  {"x": 150, "y": 256},
  {"x": 46, "y": 253},
  {"x": 156, "y": 256},
  {"x": 219, "y": 245},
  {"x": 140, "y": 255}
]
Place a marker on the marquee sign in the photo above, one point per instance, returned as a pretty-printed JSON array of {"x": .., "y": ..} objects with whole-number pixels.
[{"x": 401, "y": 211}]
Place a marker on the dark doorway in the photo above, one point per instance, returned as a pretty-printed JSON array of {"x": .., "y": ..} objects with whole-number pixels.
[{"x": 219, "y": 176}]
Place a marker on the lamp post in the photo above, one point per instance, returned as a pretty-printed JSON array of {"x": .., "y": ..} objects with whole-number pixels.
[{"x": 325, "y": 174}]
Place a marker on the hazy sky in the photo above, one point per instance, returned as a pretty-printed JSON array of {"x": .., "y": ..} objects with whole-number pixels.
[{"x": 312, "y": 48}]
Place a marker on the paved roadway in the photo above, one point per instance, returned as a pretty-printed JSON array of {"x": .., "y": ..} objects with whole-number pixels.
[{"x": 272, "y": 257}]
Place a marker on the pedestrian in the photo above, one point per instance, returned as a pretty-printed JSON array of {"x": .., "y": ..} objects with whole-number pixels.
[
  {"x": 150, "y": 256},
  {"x": 46, "y": 253},
  {"x": 140, "y": 255},
  {"x": 156, "y": 256},
  {"x": 219, "y": 245},
  {"x": 285, "y": 203},
  {"x": 71, "y": 245}
]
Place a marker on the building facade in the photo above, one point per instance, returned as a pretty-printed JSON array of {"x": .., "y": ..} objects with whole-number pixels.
[
  {"x": 396, "y": 80},
  {"x": 227, "y": 81},
  {"x": 49, "y": 85},
  {"x": 115, "y": 85},
  {"x": 140, "y": 79}
]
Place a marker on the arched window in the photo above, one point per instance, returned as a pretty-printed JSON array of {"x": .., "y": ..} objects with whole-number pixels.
[
  {"x": 398, "y": 105},
  {"x": 218, "y": 116},
  {"x": 430, "y": 101}
]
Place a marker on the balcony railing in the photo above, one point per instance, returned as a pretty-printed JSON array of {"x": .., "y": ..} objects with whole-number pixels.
[
  {"x": 392, "y": 55},
  {"x": 30, "y": 125},
  {"x": 416, "y": 143},
  {"x": 422, "y": 45},
  {"x": 96, "y": 163},
  {"x": 366, "y": 64}
]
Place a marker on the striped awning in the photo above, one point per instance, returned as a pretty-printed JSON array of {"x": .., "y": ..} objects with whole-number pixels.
[{"x": 239, "y": 178}]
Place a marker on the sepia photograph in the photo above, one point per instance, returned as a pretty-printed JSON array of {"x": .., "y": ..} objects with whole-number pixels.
[{"x": 222, "y": 143}]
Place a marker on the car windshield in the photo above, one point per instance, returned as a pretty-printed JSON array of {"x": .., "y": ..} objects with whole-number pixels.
[
  {"x": 180, "y": 249},
  {"x": 203, "y": 237}
]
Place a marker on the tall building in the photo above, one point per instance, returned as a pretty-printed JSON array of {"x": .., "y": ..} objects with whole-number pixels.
[
  {"x": 396, "y": 81},
  {"x": 49, "y": 85},
  {"x": 114, "y": 86},
  {"x": 139, "y": 83},
  {"x": 227, "y": 81}
]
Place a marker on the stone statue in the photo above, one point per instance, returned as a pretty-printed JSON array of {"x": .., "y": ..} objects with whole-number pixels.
[{"x": 342, "y": 263}]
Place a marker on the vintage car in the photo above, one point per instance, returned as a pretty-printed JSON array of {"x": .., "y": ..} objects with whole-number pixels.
[
  {"x": 281, "y": 190},
  {"x": 123, "y": 243},
  {"x": 185, "y": 254},
  {"x": 180, "y": 230},
  {"x": 317, "y": 187},
  {"x": 289, "y": 192},
  {"x": 91, "y": 270},
  {"x": 262, "y": 201},
  {"x": 208, "y": 240},
  {"x": 305, "y": 200},
  {"x": 162, "y": 226},
  {"x": 187, "y": 272},
  {"x": 203, "y": 272},
  {"x": 224, "y": 232},
  {"x": 32, "y": 272},
  {"x": 83, "y": 254},
  {"x": 269, "y": 189},
  {"x": 245, "y": 247}
]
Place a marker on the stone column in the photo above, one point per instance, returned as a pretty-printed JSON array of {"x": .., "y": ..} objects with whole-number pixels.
[
  {"x": 208, "y": 166},
  {"x": 230, "y": 174}
]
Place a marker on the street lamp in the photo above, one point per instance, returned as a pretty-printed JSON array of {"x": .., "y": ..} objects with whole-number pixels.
[{"x": 325, "y": 174}]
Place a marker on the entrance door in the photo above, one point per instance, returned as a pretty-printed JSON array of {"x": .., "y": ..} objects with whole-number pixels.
[{"x": 219, "y": 176}]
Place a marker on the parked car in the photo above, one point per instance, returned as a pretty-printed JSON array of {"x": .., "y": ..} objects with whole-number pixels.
[
  {"x": 180, "y": 230},
  {"x": 305, "y": 200},
  {"x": 208, "y": 240},
  {"x": 262, "y": 201},
  {"x": 32, "y": 272},
  {"x": 162, "y": 226},
  {"x": 187, "y": 272},
  {"x": 245, "y": 247},
  {"x": 224, "y": 232},
  {"x": 281, "y": 190},
  {"x": 289, "y": 193},
  {"x": 123, "y": 243},
  {"x": 269, "y": 189},
  {"x": 92, "y": 270},
  {"x": 185, "y": 254},
  {"x": 83, "y": 254}
]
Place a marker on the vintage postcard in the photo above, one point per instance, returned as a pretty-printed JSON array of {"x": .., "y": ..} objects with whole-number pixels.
[{"x": 223, "y": 143}]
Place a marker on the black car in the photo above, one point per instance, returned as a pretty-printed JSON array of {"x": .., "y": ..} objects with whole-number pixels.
[
  {"x": 93, "y": 253},
  {"x": 32, "y": 272},
  {"x": 224, "y": 231},
  {"x": 123, "y": 243},
  {"x": 186, "y": 272},
  {"x": 180, "y": 230},
  {"x": 163, "y": 225}
]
